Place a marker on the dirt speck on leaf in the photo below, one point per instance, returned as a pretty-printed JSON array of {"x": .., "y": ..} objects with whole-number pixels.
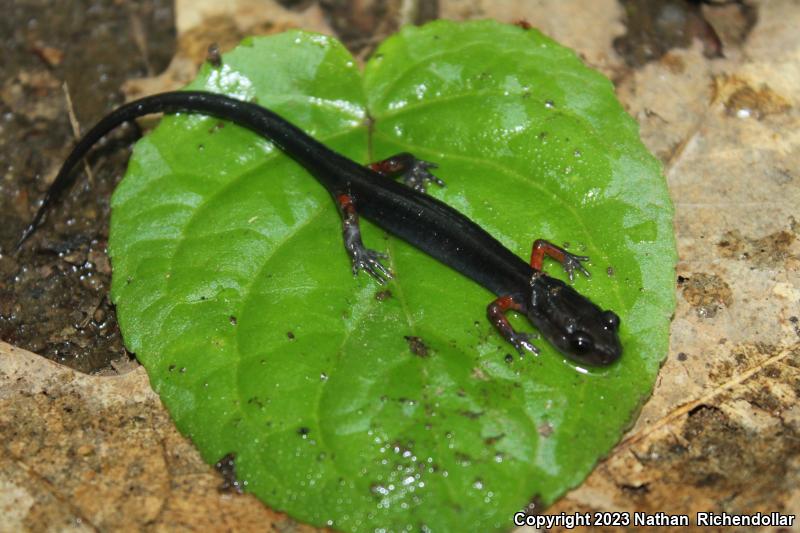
[
  {"x": 417, "y": 346},
  {"x": 383, "y": 295},
  {"x": 227, "y": 469}
]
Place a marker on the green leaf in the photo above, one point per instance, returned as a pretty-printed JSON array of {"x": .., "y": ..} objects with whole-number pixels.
[{"x": 234, "y": 290}]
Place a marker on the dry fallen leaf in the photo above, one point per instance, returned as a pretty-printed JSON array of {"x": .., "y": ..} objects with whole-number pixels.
[
  {"x": 201, "y": 24},
  {"x": 101, "y": 453},
  {"x": 722, "y": 430}
]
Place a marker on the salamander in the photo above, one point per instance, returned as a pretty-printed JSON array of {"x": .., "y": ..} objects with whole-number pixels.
[{"x": 392, "y": 194}]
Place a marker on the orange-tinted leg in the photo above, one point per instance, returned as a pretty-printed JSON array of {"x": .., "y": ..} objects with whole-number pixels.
[
  {"x": 413, "y": 171},
  {"x": 496, "y": 312},
  {"x": 570, "y": 262},
  {"x": 361, "y": 257}
]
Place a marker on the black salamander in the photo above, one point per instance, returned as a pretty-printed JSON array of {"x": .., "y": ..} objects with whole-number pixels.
[{"x": 571, "y": 322}]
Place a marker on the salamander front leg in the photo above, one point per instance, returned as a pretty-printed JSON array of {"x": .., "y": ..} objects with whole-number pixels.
[
  {"x": 413, "y": 171},
  {"x": 570, "y": 262},
  {"x": 362, "y": 258},
  {"x": 496, "y": 312}
]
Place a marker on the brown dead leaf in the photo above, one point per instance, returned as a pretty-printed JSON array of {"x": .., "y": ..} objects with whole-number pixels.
[
  {"x": 202, "y": 23},
  {"x": 743, "y": 101},
  {"x": 587, "y": 27},
  {"x": 101, "y": 453},
  {"x": 51, "y": 56},
  {"x": 722, "y": 430}
]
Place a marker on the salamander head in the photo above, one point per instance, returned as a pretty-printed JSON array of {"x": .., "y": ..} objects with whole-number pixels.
[{"x": 573, "y": 324}]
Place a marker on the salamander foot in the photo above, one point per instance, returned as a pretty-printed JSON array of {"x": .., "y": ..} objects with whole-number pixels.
[
  {"x": 370, "y": 262},
  {"x": 522, "y": 342},
  {"x": 361, "y": 257},
  {"x": 575, "y": 262},
  {"x": 414, "y": 172},
  {"x": 496, "y": 312},
  {"x": 569, "y": 262},
  {"x": 418, "y": 177}
]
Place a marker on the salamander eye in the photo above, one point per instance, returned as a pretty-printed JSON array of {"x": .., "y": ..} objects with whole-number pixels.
[
  {"x": 581, "y": 343},
  {"x": 610, "y": 320}
]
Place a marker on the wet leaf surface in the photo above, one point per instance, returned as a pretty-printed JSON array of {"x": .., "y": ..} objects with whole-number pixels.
[{"x": 260, "y": 349}]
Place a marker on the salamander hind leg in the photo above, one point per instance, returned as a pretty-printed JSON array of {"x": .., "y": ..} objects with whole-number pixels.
[
  {"x": 496, "y": 312},
  {"x": 361, "y": 257},
  {"x": 570, "y": 262},
  {"x": 414, "y": 172}
]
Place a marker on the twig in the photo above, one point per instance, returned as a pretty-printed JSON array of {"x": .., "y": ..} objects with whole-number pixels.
[
  {"x": 76, "y": 128},
  {"x": 706, "y": 398},
  {"x": 139, "y": 38}
]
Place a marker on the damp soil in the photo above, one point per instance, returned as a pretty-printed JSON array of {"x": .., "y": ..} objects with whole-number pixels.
[
  {"x": 362, "y": 25},
  {"x": 54, "y": 292},
  {"x": 654, "y": 27}
]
